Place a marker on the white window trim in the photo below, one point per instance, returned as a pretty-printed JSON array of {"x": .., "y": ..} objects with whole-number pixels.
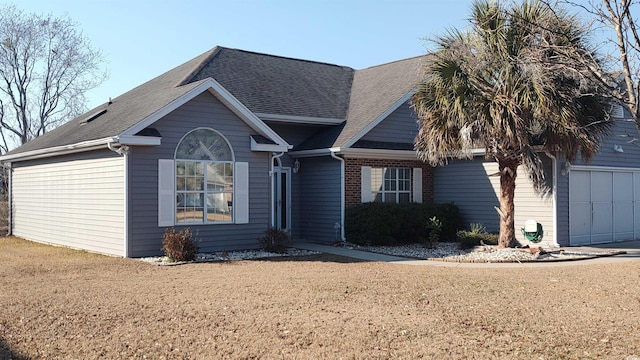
[
  {"x": 206, "y": 192},
  {"x": 167, "y": 207},
  {"x": 415, "y": 183},
  {"x": 397, "y": 180}
]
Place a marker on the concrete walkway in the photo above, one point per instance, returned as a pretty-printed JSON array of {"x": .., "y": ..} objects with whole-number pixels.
[{"x": 632, "y": 249}]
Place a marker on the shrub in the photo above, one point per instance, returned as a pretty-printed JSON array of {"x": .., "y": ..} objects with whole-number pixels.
[
  {"x": 179, "y": 246},
  {"x": 469, "y": 239},
  {"x": 397, "y": 224},
  {"x": 275, "y": 240},
  {"x": 434, "y": 226}
]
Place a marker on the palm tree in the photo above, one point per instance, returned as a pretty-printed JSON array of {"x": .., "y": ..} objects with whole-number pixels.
[{"x": 512, "y": 85}]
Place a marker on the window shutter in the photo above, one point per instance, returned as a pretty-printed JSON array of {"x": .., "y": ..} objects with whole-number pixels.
[
  {"x": 166, "y": 192},
  {"x": 417, "y": 185},
  {"x": 365, "y": 184},
  {"x": 241, "y": 196}
]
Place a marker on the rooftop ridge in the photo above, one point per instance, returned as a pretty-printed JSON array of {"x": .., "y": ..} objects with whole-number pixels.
[
  {"x": 210, "y": 55},
  {"x": 287, "y": 58},
  {"x": 394, "y": 61}
]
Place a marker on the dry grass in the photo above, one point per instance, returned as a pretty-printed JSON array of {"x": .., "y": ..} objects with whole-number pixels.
[{"x": 59, "y": 303}]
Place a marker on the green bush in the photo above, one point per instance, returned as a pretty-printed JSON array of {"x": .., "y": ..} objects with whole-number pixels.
[
  {"x": 469, "y": 239},
  {"x": 275, "y": 240},
  {"x": 434, "y": 225},
  {"x": 179, "y": 246},
  {"x": 397, "y": 224}
]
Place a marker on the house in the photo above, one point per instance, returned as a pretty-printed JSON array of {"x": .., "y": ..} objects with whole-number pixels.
[
  {"x": 229, "y": 143},
  {"x": 233, "y": 141}
]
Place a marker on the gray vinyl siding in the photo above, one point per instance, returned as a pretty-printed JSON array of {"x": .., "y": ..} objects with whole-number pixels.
[
  {"x": 320, "y": 198},
  {"x": 75, "y": 201},
  {"x": 467, "y": 184},
  {"x": 622, "y": 133},
  {"x": 145, "y": 237},
  {"x": 400, "y": 127}
]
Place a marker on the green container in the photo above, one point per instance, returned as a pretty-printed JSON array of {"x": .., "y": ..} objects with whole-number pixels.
[{"x": 532, "y": 231}]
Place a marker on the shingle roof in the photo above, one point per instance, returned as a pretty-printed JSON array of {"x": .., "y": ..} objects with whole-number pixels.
[
  {"x": 272, "y": 84},
  {"x": 375, "y": 90},
  {"x": 123, "y": 112},
  {"x": 265, "y": 84}
]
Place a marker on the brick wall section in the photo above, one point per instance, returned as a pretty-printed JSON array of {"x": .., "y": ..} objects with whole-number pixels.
[{"x": 353, "y": 177}]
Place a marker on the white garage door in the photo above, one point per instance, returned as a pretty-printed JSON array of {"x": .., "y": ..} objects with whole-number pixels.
[{"x": 604, "y": 206}]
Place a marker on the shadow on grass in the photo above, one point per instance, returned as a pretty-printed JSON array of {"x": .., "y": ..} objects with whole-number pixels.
[
  {"x": 314, "y": 258},
  {"x": 7, "y": 353}
]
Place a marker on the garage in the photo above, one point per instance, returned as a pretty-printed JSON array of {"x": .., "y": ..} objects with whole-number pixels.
[{"x": 604, "y": 205}]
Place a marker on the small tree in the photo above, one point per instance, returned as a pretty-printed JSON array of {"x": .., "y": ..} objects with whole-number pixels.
[
  {"x": 515, "y": 84},
  {"x": 46, "y": 67}
]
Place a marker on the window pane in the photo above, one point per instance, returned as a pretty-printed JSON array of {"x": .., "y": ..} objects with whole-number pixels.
[
  {"x": 376, "y": 180},
  {"x": 187, "y": 211},
  {"x": 390, "y": 185},
  {"x": 376, "y": 196},
  {"x": 180, "y": 183},
  {"x": 404, "y": 185},
  {"x": 403, "y": 198},
  {"x": 180, "y": 168},
  {"x": 390, "y": 173},
  {"x": 219, "y": 207},
  {"x": 204, "y": 144},
  {"x": 390, "y": 198}
]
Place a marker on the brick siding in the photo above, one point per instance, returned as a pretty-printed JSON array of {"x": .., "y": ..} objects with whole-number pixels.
[{"x": 353, "y": 177}]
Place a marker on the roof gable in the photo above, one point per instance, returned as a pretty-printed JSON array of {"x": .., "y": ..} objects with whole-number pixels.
[{"x": 376, "y": 92}]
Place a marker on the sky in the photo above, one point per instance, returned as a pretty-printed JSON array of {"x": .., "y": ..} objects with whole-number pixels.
[{"x": 141, "y": 39}]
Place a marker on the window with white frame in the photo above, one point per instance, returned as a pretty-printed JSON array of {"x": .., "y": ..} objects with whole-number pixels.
[
  {"x": 204, "y": 175},
  {"x": 391, "y": 185}
]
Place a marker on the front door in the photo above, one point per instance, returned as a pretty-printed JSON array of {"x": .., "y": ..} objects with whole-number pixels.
[{"x": 282, "y": 198}]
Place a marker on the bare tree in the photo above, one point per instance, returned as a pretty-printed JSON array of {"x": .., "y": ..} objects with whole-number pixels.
[
  {"x": 614, "y": 21},
  {"x": 46, "y": 67}
]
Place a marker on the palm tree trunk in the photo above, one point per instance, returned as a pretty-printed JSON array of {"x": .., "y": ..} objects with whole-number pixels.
[{"x": 508, "y": 171}]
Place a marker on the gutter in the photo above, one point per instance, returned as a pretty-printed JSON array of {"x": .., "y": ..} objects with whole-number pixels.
[
  {"x": 58, "y": 150},
  {"x": 9, "y": 180},
  {"x": 342, "y": 202},
  {"x": 83, "y": 146},
  {"x": 554, "y": 185},
  {"x": 123, "y": 150},
  {"x": 273, "y": 194}
]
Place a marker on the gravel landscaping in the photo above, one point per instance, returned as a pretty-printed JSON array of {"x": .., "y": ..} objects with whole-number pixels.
[
  {"x": 449, "y": 251},
  {"x": 59, "y": 303}
]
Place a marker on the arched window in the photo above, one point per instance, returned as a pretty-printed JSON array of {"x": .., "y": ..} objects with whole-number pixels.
[{"x": 204, "y": 163}]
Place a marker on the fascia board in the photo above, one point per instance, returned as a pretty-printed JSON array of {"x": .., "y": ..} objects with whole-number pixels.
[
  {"x": 139, "y": 140},
  {"x": 309, "y": 120},
  {"x": 309, "y": 153},
  {"x": 267, "y": 147},
  {"x": 378, "y": 120},
  {"x": 58, "y": 150},
  {"x": 376, "y": 154}
]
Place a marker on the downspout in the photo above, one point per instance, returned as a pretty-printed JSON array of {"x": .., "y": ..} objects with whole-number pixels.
[
  {"x": 342, "y": 203},
  {"x": 554, "y": 189},
  {"x": 273, "y": 194},
  {"x": 123, "y": 150},
  {"x": 9, "y": 198}
]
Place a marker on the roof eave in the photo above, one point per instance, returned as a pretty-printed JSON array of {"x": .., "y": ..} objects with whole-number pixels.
[{"x": 58, "y": 150}]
